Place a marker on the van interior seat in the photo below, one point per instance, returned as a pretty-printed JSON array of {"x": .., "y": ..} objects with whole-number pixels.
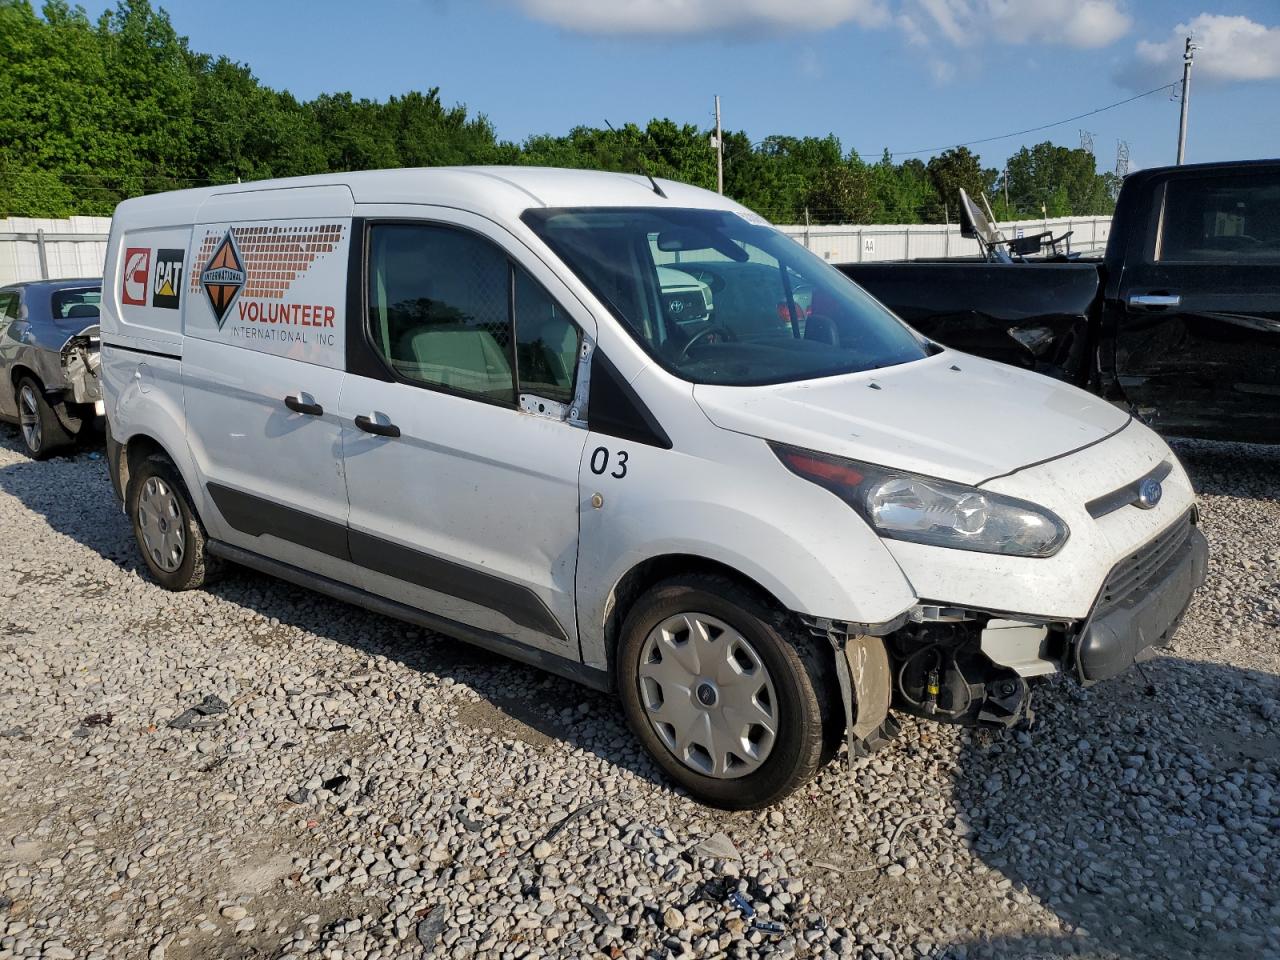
[
  {"x": 468, "y": 358},
  {"x": 82, "y": 310}
]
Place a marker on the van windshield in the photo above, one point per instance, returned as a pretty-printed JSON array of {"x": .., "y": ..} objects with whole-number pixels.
[{"x": 719, "y": 300}]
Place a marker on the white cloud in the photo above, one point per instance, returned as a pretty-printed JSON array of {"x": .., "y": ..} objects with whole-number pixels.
[
  {"x": 810, "y": 64},
  {"x": 703, "y": 17},
  {"x": 1085, "y": 23},
  {"x": 951, "y": 18},
  {"x": 943, "y": 71},
  {"x": 1227, "y": 49}
]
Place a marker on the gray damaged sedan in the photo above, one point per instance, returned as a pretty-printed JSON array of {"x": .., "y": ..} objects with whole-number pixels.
[{"x": 49, "y": 361}]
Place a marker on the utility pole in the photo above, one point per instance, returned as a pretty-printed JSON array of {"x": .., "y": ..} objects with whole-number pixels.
[
  {"x": 1188, "y": 57},
  {"x": 718, "y": 143}
]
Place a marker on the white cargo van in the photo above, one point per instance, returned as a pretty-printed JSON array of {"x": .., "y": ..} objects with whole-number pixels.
[{"x": 765, "y": 517}]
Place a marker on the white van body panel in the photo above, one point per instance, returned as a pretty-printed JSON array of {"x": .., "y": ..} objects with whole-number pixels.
[
  {"x": 724, "y": 497},
  {"x": 282, "y": 334},
  {"x": 492, "y": 488},
  {"x": 952, "y": 416},
  {"x": 1067, "y": 584}
]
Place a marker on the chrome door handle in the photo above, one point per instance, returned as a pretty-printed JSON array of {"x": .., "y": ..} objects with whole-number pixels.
[{"x": 1154, "y": 301}]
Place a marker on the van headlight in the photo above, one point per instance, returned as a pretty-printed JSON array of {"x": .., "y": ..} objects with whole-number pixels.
[{"x": 905, "y": 506}]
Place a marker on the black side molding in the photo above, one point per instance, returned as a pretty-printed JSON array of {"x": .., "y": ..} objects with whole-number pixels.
[
  {"x": 146, "y": 353},
  {"x": 256, "y": 517},
  {"x": 518, "y": 604},
  {"x": 569, "y": 669},
  {"x": 614, "y": 409}
]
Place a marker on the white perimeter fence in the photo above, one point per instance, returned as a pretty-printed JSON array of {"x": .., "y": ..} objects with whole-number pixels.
[
  {"x": 32, "y": 249},
  {"x": 879, "y": 242}
]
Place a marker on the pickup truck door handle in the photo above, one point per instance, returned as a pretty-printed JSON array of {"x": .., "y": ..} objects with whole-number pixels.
[
  {"x": 369, "y": 425},
  {"x": 303, "y": 404},
  {"x": 1154, "y": 301}
]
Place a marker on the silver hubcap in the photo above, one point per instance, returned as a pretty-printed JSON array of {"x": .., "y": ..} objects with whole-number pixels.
[
  {"x": 708, "y": 695},
  {"x": 29, "y": 415},
  {"x": 160, "y": 522}
]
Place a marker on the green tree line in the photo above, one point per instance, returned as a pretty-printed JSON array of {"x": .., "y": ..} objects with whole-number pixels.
[{"x": 94, "y": 112}]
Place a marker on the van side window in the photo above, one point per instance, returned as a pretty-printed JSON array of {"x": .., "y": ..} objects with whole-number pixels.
[
  {"x": 547, "y": 342},
  {"x": 439, "y": 308}
]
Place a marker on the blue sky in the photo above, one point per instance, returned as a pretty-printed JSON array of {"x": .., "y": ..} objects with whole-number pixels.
[{"x": 904, "y": 74}]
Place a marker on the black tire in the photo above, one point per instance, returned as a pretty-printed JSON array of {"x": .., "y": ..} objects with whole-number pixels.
[
  {"x": 196, "y": 567},
  {"x": 42, "y": 432},
  {"x": 797, "y": 671}
]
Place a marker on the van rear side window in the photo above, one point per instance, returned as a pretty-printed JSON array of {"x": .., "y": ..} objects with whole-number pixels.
[{"x": 441, "y": 304}]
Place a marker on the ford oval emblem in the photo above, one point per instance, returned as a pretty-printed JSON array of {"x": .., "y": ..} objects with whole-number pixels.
[{"x": 1149, "y": 493}]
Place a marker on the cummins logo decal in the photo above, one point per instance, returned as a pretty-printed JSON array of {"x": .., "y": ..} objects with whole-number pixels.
[
  {"x": 137, "y": 266},
  {"x": 223, "y": 277}
]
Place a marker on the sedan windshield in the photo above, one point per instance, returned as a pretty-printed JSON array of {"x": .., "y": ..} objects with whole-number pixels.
[{"x": 717, "y": 299}]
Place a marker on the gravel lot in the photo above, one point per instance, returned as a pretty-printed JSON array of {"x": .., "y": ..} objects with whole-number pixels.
[{"x": 374, "y": 792}]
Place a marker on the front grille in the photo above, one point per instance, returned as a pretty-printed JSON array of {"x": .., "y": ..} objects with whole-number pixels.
[{"x": 1145, "y": 564}]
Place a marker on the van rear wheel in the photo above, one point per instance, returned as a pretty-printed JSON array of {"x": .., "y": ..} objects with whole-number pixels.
[
  {"x": 720, "y": 694},
  {"x": 165, "y": 524}
]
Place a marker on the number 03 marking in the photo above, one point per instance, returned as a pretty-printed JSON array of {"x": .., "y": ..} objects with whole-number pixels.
[{"x": 600, "y": 458}]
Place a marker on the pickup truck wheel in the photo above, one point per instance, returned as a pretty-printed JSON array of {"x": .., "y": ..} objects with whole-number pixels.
[
  {"x": 717, "y": 692},
  {"x": 42, "y": 432},
  {"x": 165, "y": 524}
]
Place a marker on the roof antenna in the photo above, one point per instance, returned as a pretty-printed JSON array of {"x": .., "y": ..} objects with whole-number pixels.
[{"x": 643, "y": 167}]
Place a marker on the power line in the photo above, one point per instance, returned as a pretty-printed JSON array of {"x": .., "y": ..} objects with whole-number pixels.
[{"x": 1043, "y": 126}]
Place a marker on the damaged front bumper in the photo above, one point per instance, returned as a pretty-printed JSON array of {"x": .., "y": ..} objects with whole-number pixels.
[{"x": 977, "y": 667}]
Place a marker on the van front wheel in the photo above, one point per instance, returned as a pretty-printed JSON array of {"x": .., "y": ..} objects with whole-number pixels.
[
  {"x": 718, "y": 693},
  {"x": 169, "y": 533}
]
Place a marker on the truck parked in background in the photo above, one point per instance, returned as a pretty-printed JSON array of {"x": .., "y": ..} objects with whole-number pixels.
[{"x": 1179, "y": 320}]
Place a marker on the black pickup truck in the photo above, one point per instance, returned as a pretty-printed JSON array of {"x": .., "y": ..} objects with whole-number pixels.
[{"x": 1180, "y": 319}]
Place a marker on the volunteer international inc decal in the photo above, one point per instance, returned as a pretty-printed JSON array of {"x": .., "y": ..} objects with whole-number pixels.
[{"x": 223, "y": 277}]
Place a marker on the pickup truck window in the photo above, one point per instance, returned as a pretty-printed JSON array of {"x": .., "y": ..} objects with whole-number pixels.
[
  {"x": 715, "y": 299},
  {"x": 1221, "y": 219}
]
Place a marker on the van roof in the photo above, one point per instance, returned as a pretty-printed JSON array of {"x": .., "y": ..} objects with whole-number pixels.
[{"x": 499, "y": 192}]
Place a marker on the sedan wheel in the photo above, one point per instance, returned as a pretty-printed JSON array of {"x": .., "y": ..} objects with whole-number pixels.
[
  {"x": 42, "y": 432},
  {"x": 29, "y": 416}
]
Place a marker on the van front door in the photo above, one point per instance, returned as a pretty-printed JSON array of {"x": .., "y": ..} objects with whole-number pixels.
[{"x": 460, "y": 454}]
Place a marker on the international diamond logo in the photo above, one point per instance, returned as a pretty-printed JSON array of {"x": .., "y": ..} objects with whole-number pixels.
[{"x": 223, "y": 277}]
